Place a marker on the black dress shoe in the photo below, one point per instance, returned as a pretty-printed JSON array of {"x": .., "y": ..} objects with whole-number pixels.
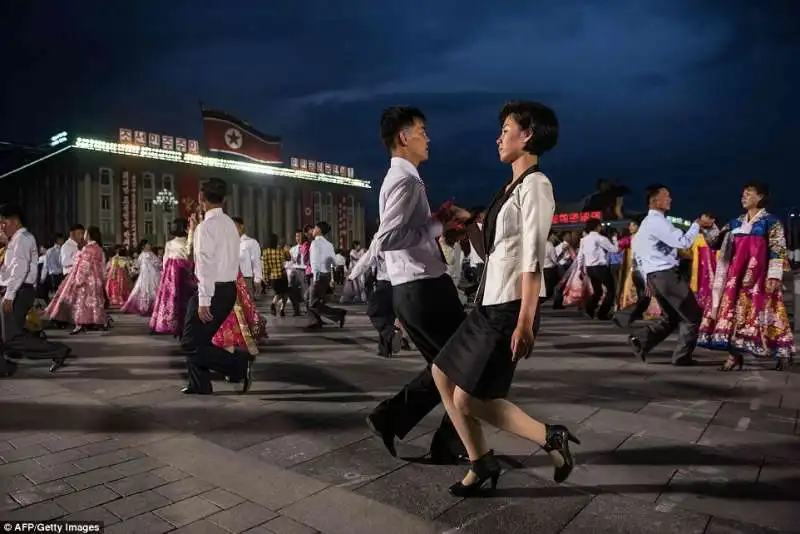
[
  {"x": 376, "y": 423},
  {"x": 684, "y": 362},
  {"x": 188, "y": 390},
  {"x": 247, "y": 380},
  {"x": 636, "y": 346},
  {"x": 342, "y": 317},
  {"x": 59, "y": 362}
]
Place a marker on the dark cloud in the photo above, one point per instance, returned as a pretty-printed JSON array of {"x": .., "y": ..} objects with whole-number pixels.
[{"x": 696, "y": 93}]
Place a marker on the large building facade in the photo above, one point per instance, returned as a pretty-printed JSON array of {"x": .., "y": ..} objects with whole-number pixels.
[{"x": 133, "y": 192}]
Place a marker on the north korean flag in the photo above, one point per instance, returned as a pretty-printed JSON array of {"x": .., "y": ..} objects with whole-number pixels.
[{"x": 227, "y": 134}]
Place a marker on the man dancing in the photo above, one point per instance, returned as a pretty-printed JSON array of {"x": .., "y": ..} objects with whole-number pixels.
[{"x": 425, "y": 300}]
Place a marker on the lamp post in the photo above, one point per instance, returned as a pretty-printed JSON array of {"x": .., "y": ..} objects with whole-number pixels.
[{"x": 165, "y": 200}]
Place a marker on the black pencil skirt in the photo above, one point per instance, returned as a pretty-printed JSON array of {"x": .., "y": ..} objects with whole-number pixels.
[{"x": 478, "y": 358}]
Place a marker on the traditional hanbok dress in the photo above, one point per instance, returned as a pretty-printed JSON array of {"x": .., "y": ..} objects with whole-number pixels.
[
  {"x": 118, "y": 281},
  {"x": 80, "y": 299},
  {"x": 628, "y": 294},
  {"x": 704, "y": 264},
  {"x": 143, "y": 296},
  {"x": 746, "y": 312},
  {"x": 577, "y": 287},
  {"x": 177, "y": 286},
  {"x": 243, "y": 327}
]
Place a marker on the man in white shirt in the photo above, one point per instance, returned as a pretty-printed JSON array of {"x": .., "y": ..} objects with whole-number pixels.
[
  {"x": 550, "y": 266},
  {"x": 54, "y": 272},
  {"x": 321, "y": 254},
  {"x": 70, "y": 248},
  {"x": 297, "y": 273},
  {"x": 425, "y": 300},
  {"x": 249, "y": 258},
  {"x": 380, "y": 307},
  {"x": 655, "y": 249},
  {"x": 216, "y": 265},
  {"x": 18, "y": 275},
  {"x": 594, "y": 249}
]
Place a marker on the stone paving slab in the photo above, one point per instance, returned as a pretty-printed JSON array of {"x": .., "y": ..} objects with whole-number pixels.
[{"x": 663, "y": 449}]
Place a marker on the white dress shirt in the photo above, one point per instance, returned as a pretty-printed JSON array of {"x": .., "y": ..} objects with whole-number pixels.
[
  {"x": 550, "y": 255},
  {"x": 52, "y": 260},
  {"x": 68, "y": 251},
  {"x": 407, "y": 233},
  {"x": 297, "y": 258},
  {"x": 595, "y": 249},
  {"x": 454, "y": 257},
  {"x": 372, "y": 258},
  {"x": 216, "y": 253},
  {"x": 321, "y": 255},
  {"x": 250, "y": 258},
  {"x": 655, "y": 246},
  {"x": 21, "y": 263}
]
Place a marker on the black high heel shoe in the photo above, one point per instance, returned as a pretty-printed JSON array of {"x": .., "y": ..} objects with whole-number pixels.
[
  {"x": 485, "y": 468},
  {"x": 557, "y": 446}
]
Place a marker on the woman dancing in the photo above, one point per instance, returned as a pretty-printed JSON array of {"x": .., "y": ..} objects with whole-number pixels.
[
  {"x": 143, "y": 296},
  {"x": 177, "y": 283},
  {"x": 118, "y": 279},
  {"x": 80, "y": 298},
  {"x": 473, "y": 372},
  {"x": 746, "y": 313}
]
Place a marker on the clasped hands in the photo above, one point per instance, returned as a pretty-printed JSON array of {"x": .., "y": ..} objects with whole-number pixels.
[{"x": 451, "y": 216}]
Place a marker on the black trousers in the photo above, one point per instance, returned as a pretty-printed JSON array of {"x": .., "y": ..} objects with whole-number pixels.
[
  {"x": 430, "y": 312},
  {"x": 598, "y": 305},
  {"x": 630, "y": 314},
  {"x": 17, "y": 341},
  {"x": 203, "y": 356},
  {"x": 550, "y": 280},
  {"x": 381, "y": 314},
  {"x": 317, "y": 307},
  {"x": 680, "y": 311}
]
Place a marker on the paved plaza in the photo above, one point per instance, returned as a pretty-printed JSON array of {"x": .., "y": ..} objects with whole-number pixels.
[{"x": 664, "y": 449}]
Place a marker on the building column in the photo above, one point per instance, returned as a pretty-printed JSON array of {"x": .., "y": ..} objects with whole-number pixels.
[
  {"x": 276, "y": 213},
  {"x": 263, "y": 212},
  {"x": 290, "y": 209}
]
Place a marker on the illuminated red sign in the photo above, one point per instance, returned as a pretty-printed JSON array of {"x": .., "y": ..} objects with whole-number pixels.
[{"x": 576, "y": 217}]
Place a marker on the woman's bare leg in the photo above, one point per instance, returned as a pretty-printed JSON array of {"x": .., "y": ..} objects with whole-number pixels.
[
  {"x": 504, "y": 415},
  {"x": 468, "y": 428}
]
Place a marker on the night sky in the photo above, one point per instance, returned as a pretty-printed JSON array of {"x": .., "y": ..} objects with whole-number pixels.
[{"x": 701, "y": 95}]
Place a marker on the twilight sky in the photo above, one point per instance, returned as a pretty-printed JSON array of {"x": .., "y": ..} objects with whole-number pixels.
[{"x": 698, "y": 94}]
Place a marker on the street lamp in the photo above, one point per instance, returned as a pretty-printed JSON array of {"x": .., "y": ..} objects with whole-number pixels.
[{"x": 165, "y": 200}]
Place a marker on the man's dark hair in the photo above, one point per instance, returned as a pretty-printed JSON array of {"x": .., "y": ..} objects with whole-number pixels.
[
  {"x": 76, "y": 227},
  {"x": 396, "y": 119},
  {"x": 214, "y": 190},
  {"x": 58, "y": 236},
  {"x": 273, "y": 241},
  {"x": 95, "y": 235},
  {"x": 12, "y": 211},
  {"x": 307, "y": 228},
  {"x": 760, "y": 188},
  {"x": 538, "y": 118},
  {"x": 238, "y": 220},
  {"x": 593, "y": 225},
  {"x": 652, "y": 191},
  {"x": 324, "y": 227},
  {"x": 179, "y": 228}
]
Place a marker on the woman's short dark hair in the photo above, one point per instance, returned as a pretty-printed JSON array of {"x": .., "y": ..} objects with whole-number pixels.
[
  {"x": 179, "y": 228},
  {"x": 538, "y": 118},
  {"x": 396, "y": 119},
  {"x": 761, "y": 189},
  {"x": 94, "y": 235},
  {"x": 273, "y": 241},
  {"x": 214, "y": 190}
]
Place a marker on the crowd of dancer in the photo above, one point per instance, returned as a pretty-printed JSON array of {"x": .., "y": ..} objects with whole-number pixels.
[{"x": 203, "y": 289}]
